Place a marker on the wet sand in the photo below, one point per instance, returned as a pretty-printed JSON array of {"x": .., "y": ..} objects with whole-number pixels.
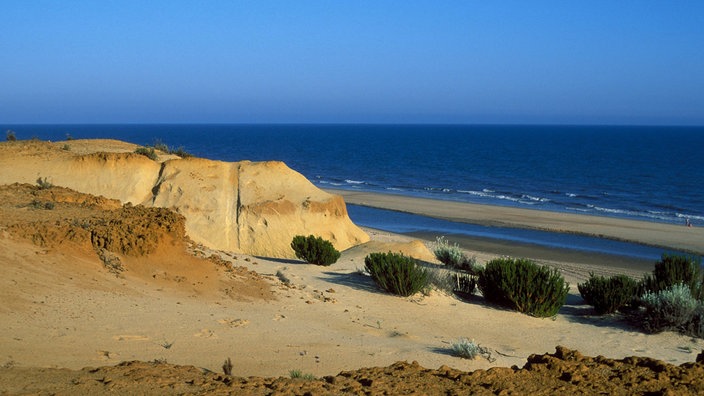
[{"x": 666, "y": 236}]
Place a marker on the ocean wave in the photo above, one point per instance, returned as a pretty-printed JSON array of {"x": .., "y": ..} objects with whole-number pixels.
[
  {"x": 329, "y": 182},
  {"x": 536, "y": 199},
  {"x": 571, "y": 195},
  {"x": 349, "y": 181},
  {"x": 687, "y": 216},
  {"x": 632, "y": 213}
]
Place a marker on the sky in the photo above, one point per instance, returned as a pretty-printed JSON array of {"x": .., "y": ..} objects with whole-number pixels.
[{"x": 465, "y": 62}]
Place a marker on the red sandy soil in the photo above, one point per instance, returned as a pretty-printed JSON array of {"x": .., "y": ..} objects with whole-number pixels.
[{"x": 561, "y": 373}]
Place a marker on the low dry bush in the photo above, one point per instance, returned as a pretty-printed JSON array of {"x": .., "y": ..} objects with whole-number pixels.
[
  {"x": 672, "y": 309},
  {"x": 523, "y": 285},
  {"x": 147, "y": 152},
  {"x": 452, "y": 255},
  {"x": 396, "y": 273},
  {"x": 465, "y": 348}
]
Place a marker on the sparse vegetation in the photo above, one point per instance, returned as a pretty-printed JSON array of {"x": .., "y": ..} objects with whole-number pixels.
[
  {"x": 163, "y": 147},
  {"x": 452, "y": 255},
  {"x": 396, "y": 273},
  {"x": 441, "y": 279},
  {"x": 607, "y": 295},
  {"x": 298, "y": 374},
  {"x": 672, "y": 309},
  {"x": 167, "y": 344},
  {"x": 464, "y": 284},
  {"x": 675, "y": 269},
  {"x": 147, "y": 152},
  {"x": 314, "y": 250},
  {"x": 10, "y": 135},
  {"x": 227, "y": 367},
  {"x": 283, "y": 278},
  {"x": 465, "y": 348},
  {"x": 43, "y": 183},
  {"x": 523, "y": 285}
]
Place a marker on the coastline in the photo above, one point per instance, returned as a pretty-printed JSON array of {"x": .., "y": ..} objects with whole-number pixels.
[{"x": 666, "y": 236}]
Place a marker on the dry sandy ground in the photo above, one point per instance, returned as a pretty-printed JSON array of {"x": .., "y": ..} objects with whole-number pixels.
[{"x": 63, "y": 308}]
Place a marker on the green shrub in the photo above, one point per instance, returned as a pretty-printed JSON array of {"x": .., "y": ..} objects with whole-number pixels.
[
  {"x": 464, "y": 284},
  {"x": 607, "y": 295},
  {"x": 522, "y": 285},
  {"x": 672, "y": 270},
  {"x": 314, "y": 250},
  {"x": 147, "y": 152},
  {"x": 396, "y": 273},
  {"x": 671, "y": 309},
  {"x": 453, "y": 256},
  {"x": 298, "y": 374}
]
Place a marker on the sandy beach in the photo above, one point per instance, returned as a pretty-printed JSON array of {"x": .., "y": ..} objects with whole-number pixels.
[
  {"x": 667, "y": 236},
  {"x": 62, "y": 308}
]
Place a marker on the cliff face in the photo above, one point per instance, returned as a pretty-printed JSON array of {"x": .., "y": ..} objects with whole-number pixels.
[{"x": 249, "y": 207}]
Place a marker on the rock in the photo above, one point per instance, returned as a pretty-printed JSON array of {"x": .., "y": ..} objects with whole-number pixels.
[{"x": 247, "y": 207}]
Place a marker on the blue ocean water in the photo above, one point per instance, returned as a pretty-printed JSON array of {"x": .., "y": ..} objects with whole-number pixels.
[{"x": 651, "y": 173}]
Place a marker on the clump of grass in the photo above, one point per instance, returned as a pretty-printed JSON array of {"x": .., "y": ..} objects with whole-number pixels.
[
  {"x": 465, "y": 348},
  {"x": 227, "y": 367},
  {"x": 180, "y": 151},
  {"x": 10, "y": 135},
  {"x": 283, "y": 278},
  {"x": 147, "y": 152},
  {"x": 452, "y": 255},
  {"x": 441, "y": 279},
  {"x": 43, "y": 183},
  {"x": 298, "y": 374}
]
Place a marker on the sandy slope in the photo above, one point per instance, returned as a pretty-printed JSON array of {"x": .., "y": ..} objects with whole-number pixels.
[{"x": 63, "y": 308}]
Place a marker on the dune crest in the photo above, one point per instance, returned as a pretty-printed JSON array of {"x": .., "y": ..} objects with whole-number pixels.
[{"x": 247, "y": 207}]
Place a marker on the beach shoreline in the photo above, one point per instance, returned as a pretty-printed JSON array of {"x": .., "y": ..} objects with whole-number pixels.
[{"x": 661, "y": 235}]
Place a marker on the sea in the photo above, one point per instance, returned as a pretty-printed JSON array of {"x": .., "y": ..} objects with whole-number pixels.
[{"x": 648, "y": 173}]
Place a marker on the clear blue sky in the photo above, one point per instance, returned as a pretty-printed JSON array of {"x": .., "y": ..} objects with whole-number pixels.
[{"x": 562, "y": 61}]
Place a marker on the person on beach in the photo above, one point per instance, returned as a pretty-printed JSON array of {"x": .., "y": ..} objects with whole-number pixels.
[{"x": 687, "y": 222}]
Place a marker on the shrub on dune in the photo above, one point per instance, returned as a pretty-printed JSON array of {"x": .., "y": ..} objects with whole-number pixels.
[
  {"x": 607, "y": 295},
  {"x": 671, "y": 309},
  {"x": 522, "y": 285},
  {"x": 314, "y": 250},
  {"x": 676, "y": 269},
  {"x": 396, "y": 273},
  {"x": 453, "y": 256}
]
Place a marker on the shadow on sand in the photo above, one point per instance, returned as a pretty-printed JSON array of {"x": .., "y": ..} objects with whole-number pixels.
[{"x": 354, "y": 280}]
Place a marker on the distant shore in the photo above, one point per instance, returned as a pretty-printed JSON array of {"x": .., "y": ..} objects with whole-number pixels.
[{"x": 666, "y": 236}]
